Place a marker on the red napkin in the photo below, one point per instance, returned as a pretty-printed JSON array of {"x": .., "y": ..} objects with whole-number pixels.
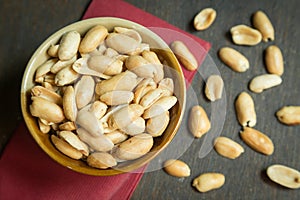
[{"x": 26, "y": 172}]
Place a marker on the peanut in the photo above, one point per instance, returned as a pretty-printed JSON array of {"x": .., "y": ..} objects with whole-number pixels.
[
  {"x": 92, "y": 39},
  {"x": 262, "y": 82},
  {"x": 234, "y": 59},
  {"x": 285, "y": 176},
  {"x": 209, "y": 181},
  {"x": 262, "y": 23},
  {"x": 214, "y": 87},
  {"x": 184, "y": 55},
  {"x": 68, "y": 46},
  {"x": 245, "y": 110},
  {"x": 274, "y": 60},
  {"x": 245, "y": 35},
  {"x": 199, "y": 123},
  {"x": 289, "y": 115},
  {"x": 177, "y": 168},
  {"x": 228, "y": 148},
  {"x": 204, "y": 19},
  {"x": 257, "y": 141}
]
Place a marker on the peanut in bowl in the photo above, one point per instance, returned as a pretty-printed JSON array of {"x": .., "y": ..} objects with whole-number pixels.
[{"x": 124, "y": 95}]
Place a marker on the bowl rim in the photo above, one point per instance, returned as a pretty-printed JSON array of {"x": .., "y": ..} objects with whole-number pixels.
[{"x": 24, "y": 90}]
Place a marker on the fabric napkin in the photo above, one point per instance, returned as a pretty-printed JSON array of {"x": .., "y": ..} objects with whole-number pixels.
[{"x": 26, "y": 172}]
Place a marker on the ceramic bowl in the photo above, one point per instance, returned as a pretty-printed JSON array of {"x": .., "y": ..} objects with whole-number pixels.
[{"x": 160, "y": 143}]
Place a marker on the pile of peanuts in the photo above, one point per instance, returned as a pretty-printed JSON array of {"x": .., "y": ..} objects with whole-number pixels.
[
  {"x": 103, "y": 96},
  {"x": 199, "y": 123}
]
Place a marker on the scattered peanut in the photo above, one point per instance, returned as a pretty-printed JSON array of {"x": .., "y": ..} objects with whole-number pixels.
[
  {"x": 257, "y": 141},
  {"x": 262, "y": 82},
  {"x": 228, "y": 148},
  {"x": 214, "y": 87},
  {"x": 262, "y": 23},
  {"x": 289, "y": 115},
  {"x": 274, "y": 60},
  {"x": 245, "y": 35},
  {"x": 204, "y": 19},
  {"x": 245, "y": 110},
  {"x": 284, "y": 176},
  {"x": 209, "y": 181},
  {"x": 234, "y": 59},
  {"x": 199, "y": 123},
  {"x": 177, "y": 168}
]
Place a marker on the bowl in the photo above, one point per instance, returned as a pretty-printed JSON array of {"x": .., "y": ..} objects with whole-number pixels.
[{"x": 160, "y": 143}]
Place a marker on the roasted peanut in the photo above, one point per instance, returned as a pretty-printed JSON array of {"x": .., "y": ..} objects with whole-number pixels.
[
  {"x": 262, "y": 82},
  {"x": 97, "y": 143},
  {"x": 53, "y": 50},
  {"x": 84, "y": 91},
  {"x": 262, "y": 23},
  {"x": 68, "y": 46},
  {"x": 274, "y": 60},
  {"x": 66, "y": 76},
  {"x": 289, "y": 115},
  {"x": 74, "y": 141},
  {"x": 160, "y": 106},
  {"x": 184, "y": 55},
  {"x": 177, "y": 168},
  {"x": 69, "y": 104},
  {"x": 46, "y": 110},
  {"x": 117, "y": 97},
  {"x": 66, "y": 148},
  {"x": 228, "y": 148},
  {"x": 60, "y": 64},
  {"x": 209, "y": 181},
  {"x": 122, "y": 43},
  {"x": 157, "y": 125},
  {"x": 44, "y": 69},
  {"x": 92, "y": 39},
  {"x": 214, "y": 87},
  {"x": 234, "y": 59},
  {"x": 245, "y": 110},
  {"x": 134, "y": 147},
  {"x": 285, "y": 176},
  {"x": 49, "y": 95},
  {"x": 199, "y": 123},
  {"x": 245, "y": 35},
  {"x": 257, "y": 141},
  {"x": 101, "y": 160},
  {"x": 204, "y": 19}
]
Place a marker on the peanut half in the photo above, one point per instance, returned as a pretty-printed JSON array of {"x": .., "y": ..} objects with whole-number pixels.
[
  {"x": 228, "y": 148},
  {"x": 265, "y": 81},
  {"x": 177, "y": 168},
  {"x": 214, "y": 87},
  {"x": 274, "y": 60},
  {"x": 262, "y": 23},
  {"x": 234, "y": 59},
  {"x": 289, "y": 115},
  {"x": 257, "y": 141},
  {"x": 204, "y": 19},
  {"x": 184, "y": 55},
  {"x": 209, "y": 181},
  {"x": 199, "y": 123},
  {"x": 68, "y": 46},
  {"x": 245, "y": 35},
  {"x": 284, "y": 176},
  {"x": 245, "y": 110}
]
